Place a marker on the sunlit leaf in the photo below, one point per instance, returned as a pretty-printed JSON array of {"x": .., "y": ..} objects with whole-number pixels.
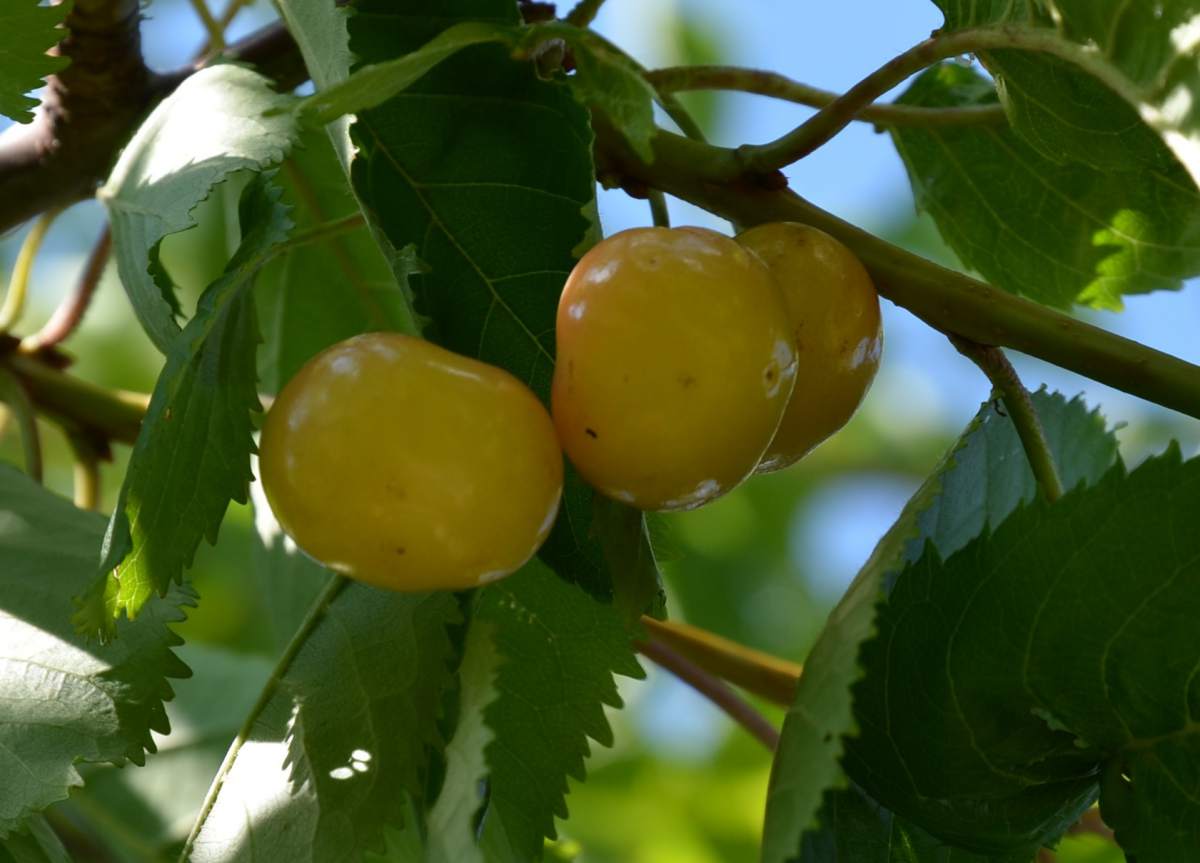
[{"x": 64, "y": 700}]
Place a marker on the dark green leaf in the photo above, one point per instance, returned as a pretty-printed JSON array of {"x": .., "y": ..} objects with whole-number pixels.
[
  {"x": 27, "y": 31},
  {"x": 485, "y": 170},
  {"x": 343, "y": 745},
  {"x": 220, "y": 120},
  {"x": 1059, "y": 233},
  {"x": 192, "y": 456},
  {"x": 1006, "y": 678},
  {"x": 36, "y": 844},
  {"x": 63, "y": 700},
  {"x": 372, "y": 85},
  {"x": 982, "y": 480},
  {"x": 1097, "y": 76},
  {"x": 856, "y": 829},
  {"x": 610, "y": 81},
  {"x": 561, "y": 649}
]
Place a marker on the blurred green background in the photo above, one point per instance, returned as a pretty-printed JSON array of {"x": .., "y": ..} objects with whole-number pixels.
[{"x": 762, "y": 565}]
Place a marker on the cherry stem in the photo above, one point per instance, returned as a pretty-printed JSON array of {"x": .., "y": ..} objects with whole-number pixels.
[
  {"x": 753, "y": 670},
  {"x": 216, "y": 33},
  {"x": 712, "y": 688},
  {"x": 315, "y": 614},
  {"x": 87, "y": 471},
  {"x": 993, "y": 363},
  {"x": 675, "y": 79},
  {"x": 71, "y": 310},
  {"x": 18, "y": 285},
  {"x": 584, "y": 13},
  {"x": 16, "y": 396},
  {"x": 659, "y": 214}
]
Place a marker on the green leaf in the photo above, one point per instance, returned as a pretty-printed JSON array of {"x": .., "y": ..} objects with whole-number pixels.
[
  {"x": 608, "y": 80},
  {"x": 152, "y": 808},
  {"x": 452, "y": 820},
  {"x": 982, "y": 479},
  {"x": 27, "y": 31},
  {"x": 192, "y": 456},
  {"x": 220, "y": 120},
  {"x": 485, "y": 171},
  {"x": 36, "y": 844},
  {"x": 856, "y": 829},
  {"x": 63, "y": 700},
  {"x": 1085, "y": 80},
  {"x": 373, "y": 85},
  {"x": 561, "y": 649},
  {"x": 314, "y": 295},
  {"x": 1059, "y": 233},
  {"x": 1005, "y": 679},
  {"x": 343, "y": 743}
]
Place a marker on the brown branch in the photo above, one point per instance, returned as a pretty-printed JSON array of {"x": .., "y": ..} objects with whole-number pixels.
[{"x": 94, "y": 105}]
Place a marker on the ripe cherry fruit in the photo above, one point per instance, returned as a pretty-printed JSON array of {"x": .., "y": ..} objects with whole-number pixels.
[
  {"x": 674, "y": 366},
  {"x": 406, "y": 466},
  {"x": 834, "y": 312}
]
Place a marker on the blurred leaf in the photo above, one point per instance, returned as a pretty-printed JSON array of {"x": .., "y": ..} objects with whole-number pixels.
[
  {"x": 485, "y": 170},
  {"x": 452, "y": 820},
  {"x": 1105, "y": 72},
  {"x": 192, "y": 456},
  {"x": 982, "y": 479},
  {"x": 317, "y": 294},
  {"x": 1004, "y": 679},
  {"x": 699, "y": 41},
  {"x": 150, "y": 810},
  {"x": 343, "y": 743},
  {"x": 27, "y": 31},
  {"x": 220, "y": 120},
  {"x": 36, "y": 844},
  {"x": 63, "y": 700},
  {"x": 561, "y": 649},
  {"x": 1057, "y": 233}
]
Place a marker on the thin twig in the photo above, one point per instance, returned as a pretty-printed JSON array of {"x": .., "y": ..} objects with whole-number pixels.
[
  {"x": 835, "y": 116},
  {"x": 87, "y": 472},
  {"x": 584, "y": 13},
  {"x": 18, "y": 283},
  {"x": 21, "y": 409},
  {"x": 321, "y": 232},
  {"x": 993, "y": 363},
  {"x": 765, "y": 675},
  {"x": 659, "y": 214},
  {"x": 315, "y": 613},
  {"x": 677, "y": 79},
  {"x": 216, "y": 33},
  {"x": 73, "y": 307},
  {"x": 712, "y": 688}
]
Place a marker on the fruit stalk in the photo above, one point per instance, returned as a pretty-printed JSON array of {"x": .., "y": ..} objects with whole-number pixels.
[
  {"x": 712, "y": 688},
  {"x": 761, "y": 673},
  {"x": 1007, "y": 384}
]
